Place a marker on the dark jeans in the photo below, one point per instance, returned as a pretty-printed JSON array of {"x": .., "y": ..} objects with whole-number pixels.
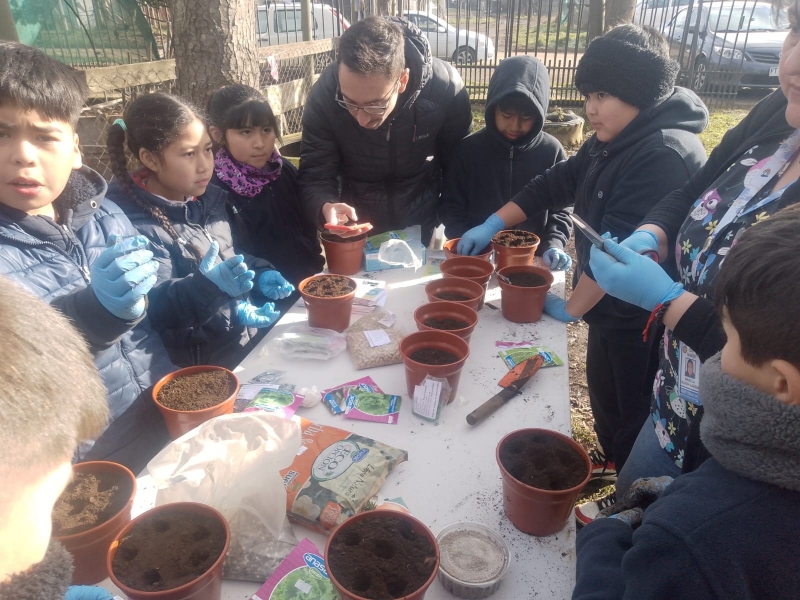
[{"x": 620, "y": 369}]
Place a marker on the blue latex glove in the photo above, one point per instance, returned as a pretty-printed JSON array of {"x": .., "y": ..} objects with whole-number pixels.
[
  {"x": 253, "y": 316},
  {"x": 123, "y": 275},
  {"x": 274, "y": 286},
  {"x": 632, "y": 277},
  {"x": 557, "y": 260},
  {"x": 87, "y": 592},
  {"x": 641, "y": 242},
  {"x": 231, "y": 275},
  {"x": 557, "y": 308},
  {"x": 477, "y": 238}
]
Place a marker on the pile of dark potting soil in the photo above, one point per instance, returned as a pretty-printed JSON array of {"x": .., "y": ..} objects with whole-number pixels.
[
  {"x": 196, "y": 391},
  {"x": 452, "y": 296},
  {"x": 526, "y": 279},
  {"x": 381, "y": 558},
  {"x": 515, "y": 239},
  {"x": 433, "y": 356},
  {"x": 543, "y": 462},
  {"x": 89, "y": 500},
  {"x": 167, "y": 550},
  {"x": 445, "y": 324},
  {"x": 328, "y": 286}
]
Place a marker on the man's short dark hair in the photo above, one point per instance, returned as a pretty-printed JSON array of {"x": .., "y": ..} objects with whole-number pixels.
[
  {"x": 758, "y": 289},
  {"x": 33, "y": 81},
  {"x": 51, "y": 396},
  {"x": 373, "y": 46}
]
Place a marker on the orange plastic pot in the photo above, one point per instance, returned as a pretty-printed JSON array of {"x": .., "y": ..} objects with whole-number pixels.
[
  {"x": 447, "y": 310},
  {"x": 206, "y": 587},
  {"x": 440, "y": 340},
  {"x": 469, "y": 267},
  {"x": 523, "y": 304},
  {"x": 328, "y": 313},
  {"x": 417, "y": 527},
  {"x": 473, "y": 291},
  {"x": 451, "y": 250},
  {"x": 183, "y": 421},
  {"x": 89, "y": 548},
  {"x": 505, "y": 256},
  {"x": 534, "y": 511},
  {"x": 343, "y": 255}
]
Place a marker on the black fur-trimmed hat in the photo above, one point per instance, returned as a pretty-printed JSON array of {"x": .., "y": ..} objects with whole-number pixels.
[{"x": 635, "y": 74}]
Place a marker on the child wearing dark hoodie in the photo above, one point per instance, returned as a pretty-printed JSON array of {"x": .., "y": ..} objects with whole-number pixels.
[{"x": 494, "y": 164}]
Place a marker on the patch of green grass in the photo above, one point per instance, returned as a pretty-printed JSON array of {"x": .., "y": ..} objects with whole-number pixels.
[
  {"x": 478, "y": 120},
  {"x": 719, "y": 122}
]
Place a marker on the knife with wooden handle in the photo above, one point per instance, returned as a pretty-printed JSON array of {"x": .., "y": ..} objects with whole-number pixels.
[{"x": 499, "y": 399}]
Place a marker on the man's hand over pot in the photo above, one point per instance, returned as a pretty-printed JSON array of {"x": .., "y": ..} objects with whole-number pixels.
[{"x": 339, "y": 213}]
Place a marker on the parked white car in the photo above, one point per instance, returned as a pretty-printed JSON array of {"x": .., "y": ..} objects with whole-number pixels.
[
  {"x": 657, "y": 13},
  {"x": 280, "y": 23},
  {"x": 449, "y": 43}
]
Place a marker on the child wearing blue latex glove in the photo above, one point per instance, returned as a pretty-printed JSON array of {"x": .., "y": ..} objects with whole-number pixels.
[
  {"x": 557, "y": 260},
  {"x": 557, "y": 308},
  {"x": 272, "y": 285},
  {"x": 123, "y": 275},
  {"x": 87, "y": 592},
  {"x": 257, "y": 317},
  {"x": 231, "y": 275}
]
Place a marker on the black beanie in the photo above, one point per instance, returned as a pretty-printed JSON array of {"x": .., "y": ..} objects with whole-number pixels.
[{"x": 636, "y": 75}]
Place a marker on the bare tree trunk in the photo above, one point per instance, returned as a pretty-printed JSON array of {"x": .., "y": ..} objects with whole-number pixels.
[
  {"x": 596, "y": 19},
  {"x": 619, "y": 12},
  {"x": 8, "y": 30},
  {"x": 215, "y": 45}
]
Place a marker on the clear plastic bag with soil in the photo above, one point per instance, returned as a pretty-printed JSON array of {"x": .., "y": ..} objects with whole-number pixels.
[
  {"x": 543, "y": 462},
  {"x": 526, "y": 279},
  {"x": 89, "y": 500},
  {"x": 445, "y": 324},
  {"x": 515, "y": 238},
  {"x": 329, "y": 286},
  {"x": 196, "y": 391},
  {"x": 433, "y": 356}
]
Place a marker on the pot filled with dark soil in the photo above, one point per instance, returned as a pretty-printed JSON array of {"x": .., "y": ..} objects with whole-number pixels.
[
  {"x": 469, "y": 267},
  {"x": 447, "y": 316},
  {"x": 343, "y": 255},
  {"x": 171, "y": 552},
  {"x": 451, "y": 250},
  {"x": 435, "y": 353},
  {"x": 514, "y": 247},
  {"x": 191, "y": 396},
  {"x": 522, "y": 300},
  {"x": 455, "y": 289},
  {"x": 382, "y": 555},
  {"x": 89, "y": 514},
  {"x": 543, "y": 473},
  {"x": 329, "y": 300}
]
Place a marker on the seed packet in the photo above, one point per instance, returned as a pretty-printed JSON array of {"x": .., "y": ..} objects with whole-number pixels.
[
  {"x": 301, "y": 576},
  {"x": 334, "y": 397},
  {"x": 278, "y": 399},
  {"x": 371, "y": 406},
  {"x": 515, "y": 356}
]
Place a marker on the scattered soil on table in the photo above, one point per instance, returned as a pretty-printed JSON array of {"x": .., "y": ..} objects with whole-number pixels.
[
  {"x": 197, "y": 391},
  {"x": 381, "y": 559},
  {"x": 433, "y": 356},
  {"x": 329, "y": 286},
  {"x": 445, "y": 324},
  {"x": 526, "y": 279},
  {"x": 89, "y": 500},
  {"x": 543, "y": 462},
  {"x": 167, "y": 550},
  {"x": 452, "y": 296},
  {"x": 515, "y": 239},
  {"x": 332, "y": 237}
]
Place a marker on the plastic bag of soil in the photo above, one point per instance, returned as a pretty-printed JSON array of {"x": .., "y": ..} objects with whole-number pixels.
[
  {"x": 374, "y": 340},
  {"x": 334, "y": 475},
  {"x": 232, "y": 463}
]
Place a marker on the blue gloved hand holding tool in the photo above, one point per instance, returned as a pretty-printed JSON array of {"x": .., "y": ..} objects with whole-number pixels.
[
  {"x": 272, "y": 285},
  {"x": 122, "y": 276},
  {"x": 253, "y": 316},
  {"x": 643, "y": 242},
  {"x": 557, "y": 260},
  {"x": 477, "y": 238},
  {"x": 231, "y": 275}
]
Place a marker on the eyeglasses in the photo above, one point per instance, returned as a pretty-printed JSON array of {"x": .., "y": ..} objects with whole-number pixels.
[{"x": 370, "y": 110}]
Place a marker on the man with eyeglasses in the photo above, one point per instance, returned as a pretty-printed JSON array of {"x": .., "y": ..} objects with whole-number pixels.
[{"x": 378, "y": 128}]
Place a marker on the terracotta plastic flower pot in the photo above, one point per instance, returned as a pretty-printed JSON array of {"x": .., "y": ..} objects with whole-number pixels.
[
  {"x": 524, "y": 304},
  {"x": 439, "y": 340},
  {"x": 328, "y": 313},
  {"x": 451, "y": 250},
  {"x": 469, "y": 267},
  {"x": 417, "y": 527},
  {"x": 534, "y": 511},
  {"x": 206, "y": 587},
  {"x": 469, "y": 289},
  {"x": 343, "y": 255},
  {"x": 505, "y": 256},
  {"x": 447, "y": 310},
  {"x": 183, "y": 421},
  {"x": 89, "y": 548}
]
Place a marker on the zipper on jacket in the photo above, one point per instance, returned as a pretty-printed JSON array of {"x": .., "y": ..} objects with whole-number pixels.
[
  {"x": 83, "y": 259},
  {"x": 510, "y": 172},
  {"x": 392, "y": 170},
  {"x": 84, "y": 271}
]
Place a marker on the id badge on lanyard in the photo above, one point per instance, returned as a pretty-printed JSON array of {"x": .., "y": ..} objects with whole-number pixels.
[{"x": 688, "y": 375}]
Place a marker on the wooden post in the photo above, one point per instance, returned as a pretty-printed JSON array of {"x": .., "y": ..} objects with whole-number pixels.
[{"x": 8, "y": 31}]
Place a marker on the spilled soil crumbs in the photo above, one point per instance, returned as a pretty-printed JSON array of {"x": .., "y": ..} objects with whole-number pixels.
[
  {"x": 433, "y": 356},
  {"x": 515, "y": 239},
  {"x": 196, "y": 391},
  {"x": 329, "y": 286},
  {"x": 90, "y": 500},
  {"x": 543, "y": 462}
]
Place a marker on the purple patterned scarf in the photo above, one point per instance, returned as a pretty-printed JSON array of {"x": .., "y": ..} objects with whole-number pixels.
[{"x": 246, "y": 180}]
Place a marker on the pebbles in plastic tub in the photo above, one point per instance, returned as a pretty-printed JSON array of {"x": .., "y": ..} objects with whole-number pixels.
[{"x": 474, "y": 559}]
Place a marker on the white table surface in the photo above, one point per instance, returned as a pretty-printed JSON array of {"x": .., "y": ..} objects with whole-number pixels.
[{"x": 451, "y": 474}]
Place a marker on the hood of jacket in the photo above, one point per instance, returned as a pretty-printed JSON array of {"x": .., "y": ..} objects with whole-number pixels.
[{"x": 419, "y": 63}]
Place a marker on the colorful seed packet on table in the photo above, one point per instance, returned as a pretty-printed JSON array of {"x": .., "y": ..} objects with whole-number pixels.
[
  {"x": 301, "y": 576},
  {"x": 279, "y": 399},
  {"x": 514, "y": 356},
  {"x": 334, "y": 398},
  {"x": 371, "y": 406}
]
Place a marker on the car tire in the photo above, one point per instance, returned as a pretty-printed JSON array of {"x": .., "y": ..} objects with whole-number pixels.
[
  {"x": 699, "y": 76},
  {"x": 465, "y": 56}
]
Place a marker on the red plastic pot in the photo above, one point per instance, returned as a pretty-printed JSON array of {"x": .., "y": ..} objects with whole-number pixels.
[
  {"x": 328, "y": 313},
  {"x": 440, "y": 340},
  {"x": 505, "y": 256},
  {"x": 534, "y": 511},
  {"x": 343, "y": 255},
  {"x": 206, "y": 587},
  {"x": 183, "y": 421},
  {"x": 451, "y": 250},
  {"x": 524, "y": 304},
  {"x": 89, "y": 548},
  {"x": 469, "y": 267},
  {"x": 447, "y": 310},
  {"x": 473, "y": 291},
  {"x": 417, "y": 527}
]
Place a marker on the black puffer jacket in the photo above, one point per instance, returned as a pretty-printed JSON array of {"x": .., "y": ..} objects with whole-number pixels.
[{"x": 386, "y": 174}]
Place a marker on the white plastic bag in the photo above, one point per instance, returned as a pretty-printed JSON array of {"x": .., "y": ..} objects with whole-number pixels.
[
  {"x": 232, "y": 463},
  {"x": 302, "y": 341}
]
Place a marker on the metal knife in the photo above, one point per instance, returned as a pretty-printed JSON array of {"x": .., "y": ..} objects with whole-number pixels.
[
  {"x": 597, "y": 239},
  {"x": 499, "y": 399}
]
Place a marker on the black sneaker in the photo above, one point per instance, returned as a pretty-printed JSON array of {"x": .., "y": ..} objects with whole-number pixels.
[
  {"x": 602, "y": 468},
  {"x": 587, "y": 512}
]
